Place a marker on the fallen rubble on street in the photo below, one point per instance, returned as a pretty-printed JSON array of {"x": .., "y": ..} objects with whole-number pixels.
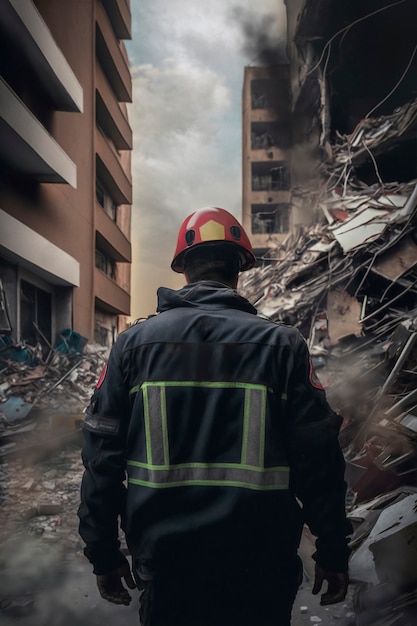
[
  {"x": 45, "y": 396},
  {"x": 348, "y": 282}
]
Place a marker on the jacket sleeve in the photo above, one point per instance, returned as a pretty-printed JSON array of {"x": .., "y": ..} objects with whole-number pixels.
[
  {"x": 103, "y": 491},
  {"x": 316, "y": 461}
]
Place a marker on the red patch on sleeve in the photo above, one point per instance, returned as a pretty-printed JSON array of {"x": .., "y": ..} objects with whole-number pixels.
[
  {"x": 102, "y": 377},
  {"x": 314, "y": 379}
]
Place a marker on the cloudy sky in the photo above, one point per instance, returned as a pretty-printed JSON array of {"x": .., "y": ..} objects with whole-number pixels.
[{"x": 187, "y": 61}]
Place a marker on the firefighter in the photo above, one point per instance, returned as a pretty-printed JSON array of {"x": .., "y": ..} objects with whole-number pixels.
[{"x": 228, "y": 444}]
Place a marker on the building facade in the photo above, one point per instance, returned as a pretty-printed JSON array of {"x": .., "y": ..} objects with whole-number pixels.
[
  {"x": 65, "y": 173},
  {"x": 266, "y": 147}
]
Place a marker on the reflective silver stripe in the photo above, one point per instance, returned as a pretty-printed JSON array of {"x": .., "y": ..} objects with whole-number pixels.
[
  {"x": 156, "y": 425},
  {"x": 254, "y": 427},
  {"x": 214, "y": 474}
]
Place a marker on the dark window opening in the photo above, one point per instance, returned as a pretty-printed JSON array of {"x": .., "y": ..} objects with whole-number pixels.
[
  {"x": 105, "y": 200},
  {"x": 268, "y": 176},
  {"x": 399, "y": 164},
  {"x": 270, "y": 218},
  {"x": 35, "y": 307},
  {"x": 103, "y": 335},
  {"x": 266, "y": 135},
  {"x": 105, "y": 264},
  {"x": 267, "y": 93}
]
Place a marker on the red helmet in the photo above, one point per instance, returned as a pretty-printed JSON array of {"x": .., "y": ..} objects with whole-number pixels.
[{"x": 207, "y": 227}]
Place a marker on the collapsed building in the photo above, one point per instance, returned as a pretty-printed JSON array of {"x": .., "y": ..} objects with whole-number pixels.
[{"x": 346, "y": 275}]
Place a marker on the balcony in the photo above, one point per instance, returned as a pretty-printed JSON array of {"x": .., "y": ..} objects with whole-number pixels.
[
  {"x": 112, "y": 57},
  {"x": 110, "y": 238},
  {"x": 109, "y": 115},
  {"x": 23, "y": 23},
  {"x": 27, "y": 147},
  {"x": 27, "y": 248},
  {"x": 110, "y": 171},
  {"x": 120, "y": 17},
  {"x": 110, "y": 296}
]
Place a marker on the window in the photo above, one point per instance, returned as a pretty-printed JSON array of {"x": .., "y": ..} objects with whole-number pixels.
[
  {"x": 265, "y": 135},
  {"x": 270, "y": 176},
  {"x": 105, "y": 200},
  {"x": 270, "y": 218},
  {"x": 268, "y": 93},
  {"x": 103, "y": 335},
  {"x": 35, "y": 307},
  {"x": 105, "y": 264}
]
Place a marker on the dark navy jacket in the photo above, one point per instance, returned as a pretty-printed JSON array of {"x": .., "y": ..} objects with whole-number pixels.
[{"x": 215, "y": 417}]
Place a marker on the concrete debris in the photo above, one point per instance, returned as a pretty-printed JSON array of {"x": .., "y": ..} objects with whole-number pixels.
[
  {"x": 348, "y": 282},
  {"x": 358, "y": 312},
  {"x": 375, "y": 133},
  {"x": 34, "y": 390},
  {"x": 40, "y": 511}
]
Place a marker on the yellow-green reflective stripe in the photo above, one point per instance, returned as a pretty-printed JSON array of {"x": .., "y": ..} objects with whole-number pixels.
[
  {"x": 193, "y": 383},
  {"x": 253, "y": 435},
  {"x": 207, "y": 483},
  {"x": 216, "y": 474}
]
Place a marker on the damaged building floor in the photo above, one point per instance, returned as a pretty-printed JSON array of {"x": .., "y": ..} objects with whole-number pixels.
[{"x": 44, "y": 577}]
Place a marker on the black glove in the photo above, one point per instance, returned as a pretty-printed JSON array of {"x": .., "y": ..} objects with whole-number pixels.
[
  {"x": 337, "y": 584},
  {"x": 111, "y": 588}
]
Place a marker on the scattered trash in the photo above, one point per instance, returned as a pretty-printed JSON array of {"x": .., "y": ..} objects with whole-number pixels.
[{"x": 33, "y": 388}]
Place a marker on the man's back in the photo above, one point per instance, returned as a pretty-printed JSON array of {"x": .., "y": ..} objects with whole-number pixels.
[{"x": 206, "y": 453}]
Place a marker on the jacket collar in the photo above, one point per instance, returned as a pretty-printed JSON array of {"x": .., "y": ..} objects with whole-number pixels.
[{"x": 205, "y": 294}]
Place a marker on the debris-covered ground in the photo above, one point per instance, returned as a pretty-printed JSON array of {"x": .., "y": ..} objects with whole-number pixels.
[
  {"x": 42, "y": 399},
  {"x": 44, "y": 576},
  {"x": 37, "y": 392}
]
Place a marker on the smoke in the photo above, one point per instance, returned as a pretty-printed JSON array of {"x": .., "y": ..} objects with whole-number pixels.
[
  {"x": 40, "y": 585},
  {"x": 263, "y": 36}
]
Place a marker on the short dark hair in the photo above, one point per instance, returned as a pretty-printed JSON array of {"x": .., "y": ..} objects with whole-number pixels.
[{"x": 212, "y": 262}]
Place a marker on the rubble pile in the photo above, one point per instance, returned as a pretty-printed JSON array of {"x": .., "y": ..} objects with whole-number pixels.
[
  {"x": 348, "y": 282},
  {"x": 36, "y": 389},
  {"x": 376, "y": 134},
  {"x": 350, "y": 286}
]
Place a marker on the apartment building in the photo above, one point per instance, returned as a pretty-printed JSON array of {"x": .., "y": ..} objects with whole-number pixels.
[
  {"x": 65, "y": 173},
  {"x": 266, "y": 148}
]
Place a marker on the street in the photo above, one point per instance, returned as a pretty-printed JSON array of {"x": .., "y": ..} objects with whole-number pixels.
[{"x": 71, "y": 598}]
